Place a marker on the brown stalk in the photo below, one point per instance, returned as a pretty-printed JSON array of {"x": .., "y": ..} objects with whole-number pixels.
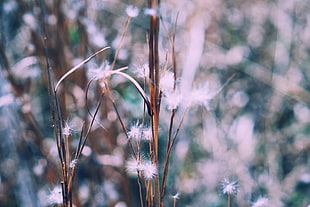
[
  {"x": 121, "y": 121},
  {"x": 120, "y": 42},
  {"x": 154, "y": 91}
]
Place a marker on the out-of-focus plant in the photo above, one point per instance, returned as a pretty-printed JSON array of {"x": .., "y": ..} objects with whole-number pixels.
[{"x": 256, "y": 133}]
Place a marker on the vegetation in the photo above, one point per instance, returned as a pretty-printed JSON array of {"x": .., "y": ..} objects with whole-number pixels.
[{"x": 154, "y": 103}]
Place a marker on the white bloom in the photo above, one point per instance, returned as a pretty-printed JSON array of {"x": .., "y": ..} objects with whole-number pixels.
[
  {"x": 142, "y": 71},
  {"x": 173, "y": 99},
  {"x": 230, "y": 188},
  {"x": 135, "y": 131},
  {"x": 151, "y": 12},
  {"x": 133, "y": 166},
  {"x": 73, "y": 163},
  {"x": 166, "y": 83},
  {"x": 132, "y": 11},
  {"x": 30, "y": 20},
  {"x": 147, "y": 134},
  {"x": 55, "y": 196},
  {"x": 261, "y": 202},
  {"x": 67, "y": 130},
  {"x": 176, "y": 196},
  {"x": 101, "y": 72},
  {"x": 149, "y": 170},
  {"x": 201, "y": 96}
]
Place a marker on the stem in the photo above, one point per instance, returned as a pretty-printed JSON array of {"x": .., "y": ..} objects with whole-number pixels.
[
  {"x": 140, "y": 189},
  {"x": 154, "y": 91},
  {"x": 120, "y": 42},
  {"x": 169, "y": 146}
]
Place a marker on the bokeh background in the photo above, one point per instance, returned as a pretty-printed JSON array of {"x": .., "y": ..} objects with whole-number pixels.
[{"x": 255, "y": 130}]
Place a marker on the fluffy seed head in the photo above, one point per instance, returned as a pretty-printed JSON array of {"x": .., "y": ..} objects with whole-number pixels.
[
  {"x": 173, "y": 99},
  {"x": 147, "y": 134},
  {"x": 151, "y": 12},
  {"x": 142, "y": 71},
  {"x": 261, "y": 202},
  {"x": 133, "y": 166},
  {"x": 73, "y": 163},
  {"x": 135, "y": 131},
  {"x": 176, "y": 196},
  {"x": 67, "y": 130},
  {"x": 201, "y": 96},
  {"x": 228, "y": 187},
  {"x": 166, "y": 82},
  {"x": 55, "y": 196},
  {"x": 132, "y": 11},
  {"x": 149, "y": 170},
  {"x": 103, "y": 72}
]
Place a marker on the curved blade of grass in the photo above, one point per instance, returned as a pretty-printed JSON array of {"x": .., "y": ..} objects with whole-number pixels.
[
  {"x": 138, "y": 87},
  {"x": 78, "y": 66}
]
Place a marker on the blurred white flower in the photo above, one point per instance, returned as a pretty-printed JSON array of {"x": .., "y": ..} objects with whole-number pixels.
[
  {"x": 55, "y": 196},
  {"x": 151, "y": 12},
  {"x": 133, "y": 166},
  {"x": 166, "y": 83},
  {"x": 228, "y": 187},
  {"x": 67, "y": 130},
  {"x": 201, "y": 96},
  {"x": 73, "y": 163},
  {"x": 102, "y": 72},
  {"x": 142, "y": 71},
  {"x": 173, "y": 99},
  {"x": 30, "y": 20},
  {"x": 135, "y": 132},
  {"x": 147, "y": 134},
  {"x": 261, "y": 202},
  {"x": 132, "y": 11},
  {"x": 176, "y": 196},
  {"x": 149, "y": 170}
]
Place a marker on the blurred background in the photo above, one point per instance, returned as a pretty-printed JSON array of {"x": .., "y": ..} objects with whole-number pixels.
[{"x": 255, "y": 131}]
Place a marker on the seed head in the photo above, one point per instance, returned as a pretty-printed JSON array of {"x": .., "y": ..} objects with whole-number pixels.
[
  {"x": 73, "y": 163},
  {"x": 173, "y": 99},
  {"x": 132, "y": 11},
  {"x": 261, "y": 202},
  {"x": 176, "y": 196},
  {"x": 55, "y": 196},
  {"x": 102, "y": 72},
  {"x": 133, "y": 166},
  {"x": 201, "y": 96},
  {"x": 149, "y": 170},
  {"x": 142, "y": 71},
  {"x": 228, "y": 187},
  {"x": 67, "y": 130},
  {"x": 147, "y": 134},
  {"x": 151, "y": 12},
  {"x": 135, "y": 132},
  {"x": 166, "y": 83}
]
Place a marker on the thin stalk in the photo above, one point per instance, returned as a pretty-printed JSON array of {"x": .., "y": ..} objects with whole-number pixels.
[
  {"x": 168, "y": 153},
  {"x": 121, "y": 121},
  {"x": 174, "y": 202},
  {"x": 164, "y": 181},
  {"x": 140, "y": 189},
  {"x": 90, "y": 126},
  {"x": 154, "y": 91},
  {"x": 120, "y": 42}
]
